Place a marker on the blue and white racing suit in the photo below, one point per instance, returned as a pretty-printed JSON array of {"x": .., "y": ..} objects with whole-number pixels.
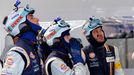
[
  {"x": 60, "y": 64},
  {"x": 22, "y": 59}
]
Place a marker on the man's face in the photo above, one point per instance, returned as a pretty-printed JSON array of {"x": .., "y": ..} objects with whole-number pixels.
[
  {"x": 98, "y": 34},
  {"x": 67, "y": 38},
  {"x": 33, "y": 19}
]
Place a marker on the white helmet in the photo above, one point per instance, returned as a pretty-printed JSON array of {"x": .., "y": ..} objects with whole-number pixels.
[
  {"x": 90, "y": 25},
  {"x": 55, "y": 30},
  {"x": 15, "y": 19}
]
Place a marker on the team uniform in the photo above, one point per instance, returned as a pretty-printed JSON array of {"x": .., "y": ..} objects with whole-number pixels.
[
  {"x": 25, "y": 55},
  {"x": 103, "y": 61},
  {"x": 65, "y": 58},
  {"x": 60, "y": 64},
  {"x": 22, "y": 58}
]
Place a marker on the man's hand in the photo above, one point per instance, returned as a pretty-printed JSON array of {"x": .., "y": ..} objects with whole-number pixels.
[{"x": 75, "y": 51}]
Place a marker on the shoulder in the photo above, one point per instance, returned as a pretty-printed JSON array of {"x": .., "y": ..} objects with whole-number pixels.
[
  {"x": 13, "y": 58},
  {"x": 22, "y": 54},
  {"x": 112, "y": 47},
  {"x": 56, "y": 65},
  {"x": 53, "y": 61},
  {"x": 109, "y": 47},
  {"x": 86, "y": 49},
  {"x": 59, "y": 65},
  {"x": 19, "y": 50}
]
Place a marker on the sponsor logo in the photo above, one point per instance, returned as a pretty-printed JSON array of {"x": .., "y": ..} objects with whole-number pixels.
[
  {"x": 63, "y": 67},
  {"x": 9, "y": 61},
  {"x": 15, "y": 23},
  {"x": 92, "y": 55},
  {"x": 110, "y": 59},
  {"x": 52, "y": 33}
]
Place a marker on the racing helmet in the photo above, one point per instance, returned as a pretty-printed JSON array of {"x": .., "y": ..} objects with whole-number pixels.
[
  {"x": 12, "y": 23},
  {"x": 91, "y": 24},
  {"x": 55, "y": 30}
]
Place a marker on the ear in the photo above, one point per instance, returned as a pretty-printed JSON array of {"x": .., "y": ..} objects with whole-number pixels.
[{"x": 16, "y": 39}]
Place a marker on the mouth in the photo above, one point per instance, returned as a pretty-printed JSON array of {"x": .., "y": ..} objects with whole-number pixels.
[{"x": 100, "y": 37}]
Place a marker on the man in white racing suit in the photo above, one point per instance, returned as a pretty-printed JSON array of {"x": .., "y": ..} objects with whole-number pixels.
[
  {"x": 22, "y": 58},
  {"x": 65, "y": 58}
]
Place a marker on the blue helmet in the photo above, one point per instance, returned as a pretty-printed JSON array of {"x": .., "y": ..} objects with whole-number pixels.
[
  {"x": 13, "y": 21},
  {"x": 91, "y": 24}
]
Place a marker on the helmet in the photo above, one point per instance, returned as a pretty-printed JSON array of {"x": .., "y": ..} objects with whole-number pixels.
[
  {"x": 15, "y": 19},
  {"x": 91, "y": 24},
  {"x": 55, "y": 30}
]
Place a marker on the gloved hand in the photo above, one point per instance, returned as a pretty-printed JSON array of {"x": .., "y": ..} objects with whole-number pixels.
[{"x": 75, "y": 51}]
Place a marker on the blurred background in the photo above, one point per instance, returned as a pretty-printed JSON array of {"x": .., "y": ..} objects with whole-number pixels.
[{"x": 117, "y": 17}]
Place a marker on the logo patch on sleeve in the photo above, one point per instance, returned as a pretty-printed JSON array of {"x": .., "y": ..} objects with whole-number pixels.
[
  {"x": 9, "y": 61},
  {"x": 63, "y": 67},
  {"x": 92, "y": 55}
]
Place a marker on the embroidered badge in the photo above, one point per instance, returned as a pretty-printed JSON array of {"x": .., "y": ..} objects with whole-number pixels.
[
  {"x": 9, "y": 61},
  {"x": 92, "y": 55},
  {"x": 63, "y": 67}
]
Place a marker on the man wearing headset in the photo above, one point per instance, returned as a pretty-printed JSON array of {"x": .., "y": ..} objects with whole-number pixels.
[
  {"x": 65, "y": 58},
  {"x": 22, "y": 59},
  {"x": 101, "y": 58}
]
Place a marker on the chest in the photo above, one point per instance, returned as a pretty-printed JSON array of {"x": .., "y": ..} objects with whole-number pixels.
[{"x": 100, "y": 58}]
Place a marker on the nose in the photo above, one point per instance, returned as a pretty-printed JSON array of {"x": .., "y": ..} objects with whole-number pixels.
[{"x": 36, "y": 20}]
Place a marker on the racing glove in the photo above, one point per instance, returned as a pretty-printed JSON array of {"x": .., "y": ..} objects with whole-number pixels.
[{"x": 75, "y": 51}]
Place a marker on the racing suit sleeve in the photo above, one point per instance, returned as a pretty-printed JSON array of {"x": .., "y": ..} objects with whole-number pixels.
[
  {"x": 13, "y": 65},
  {"x": 58, "y": 67},
  {"x": 118, "y": 67}
]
